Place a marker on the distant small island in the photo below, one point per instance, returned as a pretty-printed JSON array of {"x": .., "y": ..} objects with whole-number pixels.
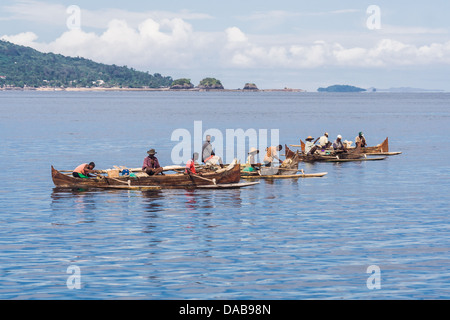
[{"x": 341, "y": 88}]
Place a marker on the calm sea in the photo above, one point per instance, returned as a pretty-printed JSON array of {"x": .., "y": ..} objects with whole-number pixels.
[{"x": 286, "y": 239}]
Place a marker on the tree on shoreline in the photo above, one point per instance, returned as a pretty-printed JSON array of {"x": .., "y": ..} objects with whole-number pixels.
[{"x": 26, "y": 67}]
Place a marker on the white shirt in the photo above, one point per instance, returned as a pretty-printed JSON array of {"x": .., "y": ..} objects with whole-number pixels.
[
  {"x": 251, "y": 159},
  {"x": 308, "y": 146},
  {"x": 323, "y": 141}
]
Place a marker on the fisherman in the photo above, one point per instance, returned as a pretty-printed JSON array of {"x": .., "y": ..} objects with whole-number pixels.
[
  {"x": 251, "y": 164},
  {"x": 190, "y": 165},
  {"x": 251, "y": 159},
  {"x": 151, "y": 164},
  {"x": 213, "y": 160},
  {"x": 361, "y": 139},
  {"x": 206, "y": 149},
  {"x": 272, "y": 153},
  {"x": 85, "y": 170},
  {"x": 323, "y": 141},
  {"x": 310, "y": 147},
  {"x": 338, "y": 145}
]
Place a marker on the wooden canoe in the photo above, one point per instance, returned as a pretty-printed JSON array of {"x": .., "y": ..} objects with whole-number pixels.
[
  {"x": 361, "y": 159},
  {"x": 285, "y": 176},
  {"x": 380, "y": 149},
  {"x": 229, "y": 175},
  {"x": 228, "y": 185}
]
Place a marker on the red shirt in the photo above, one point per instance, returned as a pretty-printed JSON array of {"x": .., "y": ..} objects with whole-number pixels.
[{"x": 191, "y": 166}]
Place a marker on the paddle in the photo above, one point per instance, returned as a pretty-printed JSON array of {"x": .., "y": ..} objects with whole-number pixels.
[{"x": 200, "y": 177}]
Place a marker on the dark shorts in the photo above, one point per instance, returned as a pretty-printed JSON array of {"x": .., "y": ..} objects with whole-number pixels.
[{"x": 79, "y": 175}]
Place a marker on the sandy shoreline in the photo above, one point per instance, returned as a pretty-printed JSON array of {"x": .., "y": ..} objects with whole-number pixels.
[{"x": 98, "y": 89}]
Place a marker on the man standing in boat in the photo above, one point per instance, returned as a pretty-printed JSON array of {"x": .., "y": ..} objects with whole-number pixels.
[
  {"x": 207, "y": 149},
  {"x": 361, "y": 139},
  {"x": 151, "y": 164},
  {"x": 84, "y": 170}
]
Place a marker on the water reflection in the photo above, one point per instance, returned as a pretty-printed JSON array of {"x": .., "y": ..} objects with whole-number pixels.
[
  {"x": 81, "y": 201},
  {"x": 152, "y": 200},
  {"x": 207, "y": 200}
]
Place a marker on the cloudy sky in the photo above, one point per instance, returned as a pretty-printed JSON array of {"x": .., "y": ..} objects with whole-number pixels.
[{"x": 275, "y": 44}]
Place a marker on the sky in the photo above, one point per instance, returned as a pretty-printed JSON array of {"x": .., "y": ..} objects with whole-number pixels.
[{"x": 274, "y": 44}]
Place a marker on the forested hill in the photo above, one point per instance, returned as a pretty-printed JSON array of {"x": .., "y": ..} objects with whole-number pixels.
[{"x": 25, "y": 67}]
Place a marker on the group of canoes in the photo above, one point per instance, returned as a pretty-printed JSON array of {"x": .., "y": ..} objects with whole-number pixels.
[{"x": 213, "y": 173}]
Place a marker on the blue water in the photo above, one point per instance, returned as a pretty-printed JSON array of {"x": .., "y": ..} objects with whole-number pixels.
[{"x": 286, "y": 239}]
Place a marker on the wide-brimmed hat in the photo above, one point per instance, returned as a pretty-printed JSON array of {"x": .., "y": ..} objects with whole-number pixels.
[
  {"x": 253, "y": 150},
  {"x": 151, "y": 151},
  {"x": 309, "y": 138}
]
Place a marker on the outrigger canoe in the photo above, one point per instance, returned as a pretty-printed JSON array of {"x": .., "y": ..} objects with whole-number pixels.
[
  {"x": 284, "y": 176},
  {"x": 361, "y": 159},
  {"x": 381, "y": 149},
  {"x": 228, "y": 177}
]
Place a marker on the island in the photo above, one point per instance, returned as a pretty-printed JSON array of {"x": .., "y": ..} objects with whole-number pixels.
[
  {"x": 182, "y": 84},
  {"x": 251, "y": 87},
  {"x": 210, "y": 84},
  {"x": 341, "y": 88},
  {"x": 24, "y": 67}
]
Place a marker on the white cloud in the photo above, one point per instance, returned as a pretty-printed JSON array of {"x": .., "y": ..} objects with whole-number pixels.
[
  {"x": 56, "y": 14},
  {"x": 24, "y": 38},
  {"x": 173, "y": 43},
  {"x": 387, "y": 52}
]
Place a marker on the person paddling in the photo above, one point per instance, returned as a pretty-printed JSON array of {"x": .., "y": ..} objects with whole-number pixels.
[
  {"x": 190, "y": 165},
  {"x": 84, "y": 170}
]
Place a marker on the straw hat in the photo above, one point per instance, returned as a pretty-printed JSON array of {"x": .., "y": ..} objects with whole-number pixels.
[
  {"x": 253, "y": 150},
  {"x": 309, "y": 138},
  {"x": 151, "y": 152}
]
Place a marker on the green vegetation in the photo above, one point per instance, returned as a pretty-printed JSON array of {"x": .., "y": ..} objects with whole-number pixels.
[
  {"x": 182, "y": 83},
  {"x": 341, "y": 88},
  {"x": 250, "y": 86},
  {"x": 210, "y": 83},
  {"x": 25, "y": 67}
]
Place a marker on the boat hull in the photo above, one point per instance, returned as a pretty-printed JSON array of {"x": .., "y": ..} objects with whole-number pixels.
[
  {"x": 285, "y": 176},
  {"x": 170, "y": 181}
]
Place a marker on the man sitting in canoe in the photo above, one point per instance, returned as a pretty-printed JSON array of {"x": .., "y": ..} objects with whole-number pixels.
[
  {"x": 338, "y": 145},
  {"x": 323, "y": 141},
  {"x": 214, "y": 160},
  {"x": 310, "y": 146},
  {"x": 84, "y": 170},
  {"x": 190, "y": 165},
  {"x": 151, "y": 164},
  {"x": 272, "y": 153},
  {"x": 361, "y": 139}
]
